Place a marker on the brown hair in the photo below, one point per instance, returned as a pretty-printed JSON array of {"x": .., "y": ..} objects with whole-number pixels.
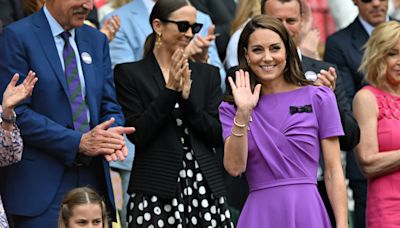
[
  {"x": 161, "y": 10},
  {"x": 293, "y": 72},
  {"x": 76, "y": 197}
]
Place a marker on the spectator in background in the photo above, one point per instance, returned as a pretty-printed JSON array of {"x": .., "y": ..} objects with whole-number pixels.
[
  {"x": 222, "y": 13},
  {"x": 322, "y": 18},
  {"x": 32, "y": 6},
  {"x": 344, "y": 48},
  {"x": 70, "y": 124},
  {"x": 376, "y": 108},
  {"x": 245, "y": 10},
  {"x": 343, "y": 12},
  {"x": 10, "y": 11},
  {"x": 109, "y": 7},
  {"x": 10, "y": 138},
  {"x": 173, "y": 103}
]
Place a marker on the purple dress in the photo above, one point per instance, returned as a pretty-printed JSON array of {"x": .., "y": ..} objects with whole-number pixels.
[{"x": 284, "y": 150}]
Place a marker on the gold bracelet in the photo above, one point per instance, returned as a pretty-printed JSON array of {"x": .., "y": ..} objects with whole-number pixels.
[
  {"x": 236, "y": 134},
  {"x": 238, "y": 124}
]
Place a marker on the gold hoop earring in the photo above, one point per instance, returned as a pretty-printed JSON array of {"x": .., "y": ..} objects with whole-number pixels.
[{"x": 158, "y": 40}]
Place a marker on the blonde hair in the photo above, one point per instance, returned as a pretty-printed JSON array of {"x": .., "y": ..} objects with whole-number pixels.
[
  {"x": 77, "y": 197},
  {"x": 373, "y": 65},
  {"x": 245, "y": 10}
]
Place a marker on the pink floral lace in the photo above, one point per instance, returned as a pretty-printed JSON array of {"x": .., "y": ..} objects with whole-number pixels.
[{"x": 389, "y": 106}]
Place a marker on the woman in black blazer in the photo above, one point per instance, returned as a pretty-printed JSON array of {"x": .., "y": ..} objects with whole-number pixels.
[{"x": 173, "y": 104}]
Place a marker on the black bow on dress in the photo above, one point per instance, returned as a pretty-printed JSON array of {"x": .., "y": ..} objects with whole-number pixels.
[{"x": 300, "y": 109}]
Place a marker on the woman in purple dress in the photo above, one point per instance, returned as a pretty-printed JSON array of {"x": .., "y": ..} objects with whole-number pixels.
[
  {"x": 273, "y": 127},
  {"x": 10, "y": 138}
]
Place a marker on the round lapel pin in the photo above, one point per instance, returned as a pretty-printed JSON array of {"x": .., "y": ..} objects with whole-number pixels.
[
  {"x": 311, "y": 76},
  {"x": 86, "y": 58}
]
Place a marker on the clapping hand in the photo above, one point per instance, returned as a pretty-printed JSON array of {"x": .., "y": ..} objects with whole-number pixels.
[
  {"x": 198, "y": 48},
  {"x": 105, "y": 140},
  {"x": 327, "y": 78},
  {"x": 244, "y": 98},
  {"x": 15, "y": 94},
  {"x": 111, "y": 26}
]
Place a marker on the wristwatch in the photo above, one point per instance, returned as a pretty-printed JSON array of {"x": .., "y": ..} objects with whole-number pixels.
[{"x": 9, "y": 119}]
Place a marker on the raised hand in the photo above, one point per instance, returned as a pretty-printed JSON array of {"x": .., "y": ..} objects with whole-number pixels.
[
  {"x": 198, "y": 48},
  {"x": 179, "y": 63},
  {"x": 15, "y": 94},
  {"x": 327, "y": 78},
  {"x": 244, "y": 98},
  {"x": 111, "y": 26}
]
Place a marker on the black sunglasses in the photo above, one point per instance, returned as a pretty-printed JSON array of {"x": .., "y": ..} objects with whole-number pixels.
[{"x": 183, "y": 26}]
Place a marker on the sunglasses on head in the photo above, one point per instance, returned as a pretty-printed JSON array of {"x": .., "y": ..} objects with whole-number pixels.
[{"x": 183, "y": 26}]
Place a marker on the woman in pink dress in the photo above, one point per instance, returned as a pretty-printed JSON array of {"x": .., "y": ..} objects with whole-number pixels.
[
  {"x": 10, "y": 139},
  {"x": 376, "y": 108}
]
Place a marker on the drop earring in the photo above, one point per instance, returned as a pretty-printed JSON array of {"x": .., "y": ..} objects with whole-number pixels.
[{"x": 158, "y": 40}]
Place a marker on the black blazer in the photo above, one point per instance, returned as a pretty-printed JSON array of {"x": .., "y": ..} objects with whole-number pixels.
[
  {"x": 344, "y": 48},
  {"x": 148, "y": 105}
]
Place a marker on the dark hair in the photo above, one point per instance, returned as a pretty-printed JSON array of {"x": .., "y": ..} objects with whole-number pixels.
[
  {"x": 264, "y": 2},
  {"x": 293, "y": 72},
  {"x": 161, "y": 10},
  {"x": 77, "y": 197}
]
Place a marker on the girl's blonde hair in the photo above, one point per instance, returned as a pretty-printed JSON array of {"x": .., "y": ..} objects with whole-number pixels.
[
  {"x": 77, "y": 197},
  {"x": 373, "y": 65}
]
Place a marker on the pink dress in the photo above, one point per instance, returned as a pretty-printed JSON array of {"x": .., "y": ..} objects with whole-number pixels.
[
  {"x": 10, "y": 152},
  {"x": 383, "y": 196}
]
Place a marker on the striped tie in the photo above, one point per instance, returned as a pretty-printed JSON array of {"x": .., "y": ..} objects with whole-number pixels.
[{"x": 78, "y": 104}]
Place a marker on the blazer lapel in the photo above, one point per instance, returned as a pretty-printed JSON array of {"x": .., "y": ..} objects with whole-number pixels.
[
  {"x": 46, "y": 40},
  {"x": 360, "y": 36},
  {"x": 151, "y": 62}
]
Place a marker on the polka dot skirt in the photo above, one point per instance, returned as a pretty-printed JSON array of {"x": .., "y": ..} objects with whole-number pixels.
[{"x": 193, "y": 206}]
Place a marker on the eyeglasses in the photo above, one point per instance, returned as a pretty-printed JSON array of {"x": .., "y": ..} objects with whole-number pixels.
[{"x": 183, "y": 26}]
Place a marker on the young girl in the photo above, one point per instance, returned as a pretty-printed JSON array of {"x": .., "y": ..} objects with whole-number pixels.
[{"x": 82, "y": 207}]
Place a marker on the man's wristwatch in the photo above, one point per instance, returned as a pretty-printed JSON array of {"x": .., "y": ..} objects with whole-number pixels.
[{"x": 9, "y": 119}]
